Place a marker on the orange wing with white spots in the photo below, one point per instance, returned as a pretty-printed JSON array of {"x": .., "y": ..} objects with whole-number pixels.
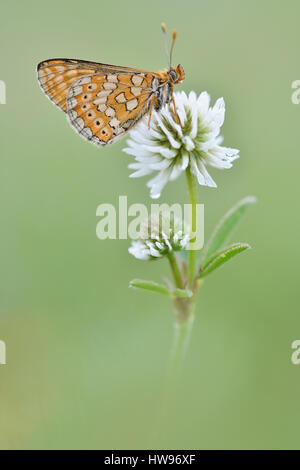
[
  {"x": 56, "y": 76},
  {"x": 102, "y": 108},
  {"x": 102, "y": 101}
]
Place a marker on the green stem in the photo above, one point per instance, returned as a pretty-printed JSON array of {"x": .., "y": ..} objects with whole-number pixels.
[
  {"x": 181, "y": 341},
  {"x": 192, "y": 186},
  {"x": 175, "y": 270},
  {"x": 168, "y": 405},
  {"x": 184, "y": 314}
]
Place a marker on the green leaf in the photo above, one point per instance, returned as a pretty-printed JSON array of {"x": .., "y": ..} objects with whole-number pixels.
[
  {"x": 185, "y": 293},
  {"x": 220, "y": 257},
  {"x": 225, "y": 227},
  {"x": 149, "y": 285},
  {"x": 160, "y": 288}
]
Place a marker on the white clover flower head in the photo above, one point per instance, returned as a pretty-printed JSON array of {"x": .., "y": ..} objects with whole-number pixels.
[
  {"x": 160, "y": 234},
  {"x": 168, "y": 148}
]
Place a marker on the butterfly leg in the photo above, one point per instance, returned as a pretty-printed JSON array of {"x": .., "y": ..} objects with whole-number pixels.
[
  {"x": 150, "y": 111},
  {"x": 175, "y": 111}
]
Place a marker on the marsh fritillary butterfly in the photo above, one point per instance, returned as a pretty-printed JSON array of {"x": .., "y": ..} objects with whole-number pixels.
[{"x": 103, "y": 102}]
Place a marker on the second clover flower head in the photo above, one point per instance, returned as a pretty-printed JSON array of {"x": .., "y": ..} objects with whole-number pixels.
[
  {"x": 160, "y": 234},
  {"x": 168, "y": 148}
]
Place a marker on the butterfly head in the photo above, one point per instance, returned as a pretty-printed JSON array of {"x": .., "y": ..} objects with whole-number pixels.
[{"x": 176, "y": 75}]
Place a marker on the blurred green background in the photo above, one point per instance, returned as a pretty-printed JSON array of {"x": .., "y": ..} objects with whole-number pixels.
[{"x": 86, "y": 356}]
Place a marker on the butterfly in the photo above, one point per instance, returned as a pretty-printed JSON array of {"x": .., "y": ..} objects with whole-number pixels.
[{"x": 103, "y": 102}]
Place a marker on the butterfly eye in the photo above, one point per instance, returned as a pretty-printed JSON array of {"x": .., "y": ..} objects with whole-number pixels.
[{"x": 173, "y": 75}]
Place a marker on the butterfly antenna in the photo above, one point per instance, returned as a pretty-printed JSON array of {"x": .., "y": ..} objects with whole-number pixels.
[
  {"x": 172, "y": 46},
  {"x": 164, "y": 30}
]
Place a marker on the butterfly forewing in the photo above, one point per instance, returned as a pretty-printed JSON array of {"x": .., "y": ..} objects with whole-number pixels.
[{"x": 56, "y": 76}]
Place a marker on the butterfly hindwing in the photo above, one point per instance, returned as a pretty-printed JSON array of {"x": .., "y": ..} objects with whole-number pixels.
[{"x": 103, "y": 106}]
